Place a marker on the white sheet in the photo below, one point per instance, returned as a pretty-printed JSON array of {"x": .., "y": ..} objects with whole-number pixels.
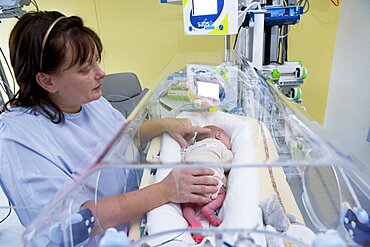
[{"x": 241, "y": 206}]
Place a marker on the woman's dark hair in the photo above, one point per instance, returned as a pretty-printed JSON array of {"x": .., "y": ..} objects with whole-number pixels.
[{"x": 25, "y": 44}]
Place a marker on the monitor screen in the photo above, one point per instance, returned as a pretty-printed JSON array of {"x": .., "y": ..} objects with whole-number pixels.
[
  {"x": 207, "y": 89},
  {"x": 204, "y": 7}
]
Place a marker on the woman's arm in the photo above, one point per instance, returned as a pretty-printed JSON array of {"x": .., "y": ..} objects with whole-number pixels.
[
  {"x": 181, "y": 185},
  {"x": 180, "y": 129}
]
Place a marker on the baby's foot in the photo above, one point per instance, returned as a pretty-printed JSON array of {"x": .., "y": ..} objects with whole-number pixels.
[
  {"x": 198, "y": 238},
  {"x": 210, "y": 215},
  {"x": 214, "y": 220}
]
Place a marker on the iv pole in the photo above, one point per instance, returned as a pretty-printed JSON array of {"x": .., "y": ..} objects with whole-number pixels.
[{"x": 227, "y": 49}]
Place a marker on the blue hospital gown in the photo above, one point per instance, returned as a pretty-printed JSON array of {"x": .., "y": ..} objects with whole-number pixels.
[{"x": 38, "y": 157}]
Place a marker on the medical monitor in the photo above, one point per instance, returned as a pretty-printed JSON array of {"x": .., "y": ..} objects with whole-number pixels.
[{"x": 210, "y": 17}]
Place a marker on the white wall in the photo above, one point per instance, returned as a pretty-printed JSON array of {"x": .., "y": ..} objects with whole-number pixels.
[{"x": 347, "y": 114}]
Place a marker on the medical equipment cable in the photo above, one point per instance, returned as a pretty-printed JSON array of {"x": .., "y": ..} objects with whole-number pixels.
[
  {"x": 335, "y": 3},
  {"x": 244, "y": 24},
  {"x": 35, "y": 4},
  {"x": 305, "y": 3},
  {"x": 10, "y": 211},
  {"x": 257, "y": 4},
  {"x": 286, "y": 34},
  {"x": 2, "y": 85},
  {"x": 170, "y": 240},
  {"x": 5, "y": 83},
  {"x": 96, "y": 200},
  {"x": 70, "y": 230},
  {"x": 244, "y": 12},
  {"x": 227, "y": 244},
  {"x": 283, "y": 44}
]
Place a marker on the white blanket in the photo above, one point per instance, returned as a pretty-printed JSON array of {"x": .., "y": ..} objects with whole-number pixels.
[{"x": 241, "y": 206}]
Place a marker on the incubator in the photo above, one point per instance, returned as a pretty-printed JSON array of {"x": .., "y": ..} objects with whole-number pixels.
[{"x": 282, "y": 161}]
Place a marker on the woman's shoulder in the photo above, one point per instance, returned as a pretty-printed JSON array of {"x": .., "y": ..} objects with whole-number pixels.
[
  {"x": 18, "y": 120},
  {"x": 16, "y": 113}
]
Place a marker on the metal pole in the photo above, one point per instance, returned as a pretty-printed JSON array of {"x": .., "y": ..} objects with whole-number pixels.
[
  {"x": 227, "y": 49},
  {"x": 257, "y": 56}
]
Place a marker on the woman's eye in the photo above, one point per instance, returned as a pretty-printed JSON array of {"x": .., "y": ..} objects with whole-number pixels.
[{"x": 85, "y": 69}]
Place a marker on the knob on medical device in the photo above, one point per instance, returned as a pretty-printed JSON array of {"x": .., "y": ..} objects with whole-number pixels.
[
  {"x": 356, "y": 222},
  {"x": 300, "y": 73},
  {"x": 362, "y": 215},
  {"x": 78, "y": 225}
]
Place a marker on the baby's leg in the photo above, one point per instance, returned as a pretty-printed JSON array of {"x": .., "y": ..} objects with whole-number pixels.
[
  {"x": 209, "y": 209},
  {"x": 188, "y": 210}
]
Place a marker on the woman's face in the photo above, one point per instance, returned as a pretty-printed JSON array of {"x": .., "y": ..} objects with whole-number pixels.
[{"x": 77, "y": 85}]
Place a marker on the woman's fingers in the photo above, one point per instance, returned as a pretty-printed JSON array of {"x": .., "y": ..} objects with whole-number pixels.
[
  {"x": 182, "y": 130},
  {"x": 203, "y": 189},
  {"x": 181, "y": 140},
  {"x": 205, "y": 180},
  {"x": 199, "y": 199},
  {"x": 200, "y": 176},
  {"x": 202, "y": 130},
  {"x": 202, "y": 172},
  {"x": 188, "y": 136},
  {"x": 191, "y": 130},
  {"x": 190, "y": 185}
]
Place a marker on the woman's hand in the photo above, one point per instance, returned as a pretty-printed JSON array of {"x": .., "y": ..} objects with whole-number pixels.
[
  {"x": 181, "y": 185},
  {"x": 182, "y": 130},
  {"x": 189, "y": 185}
]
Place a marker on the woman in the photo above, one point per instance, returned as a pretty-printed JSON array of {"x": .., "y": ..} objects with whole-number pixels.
[{"x": 58, "y": 119}]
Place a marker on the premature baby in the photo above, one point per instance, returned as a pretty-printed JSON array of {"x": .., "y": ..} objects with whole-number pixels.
[{"x": 210, "y": 147}]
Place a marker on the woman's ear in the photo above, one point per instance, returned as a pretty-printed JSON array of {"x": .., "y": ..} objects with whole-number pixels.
[{"x": 45, "y": 81}]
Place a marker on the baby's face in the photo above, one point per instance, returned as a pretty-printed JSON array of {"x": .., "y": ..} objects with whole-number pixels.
[{"x": 225, "y": 139}]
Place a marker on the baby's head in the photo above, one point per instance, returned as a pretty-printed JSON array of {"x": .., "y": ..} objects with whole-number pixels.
[{"x": 216, "y": 133}]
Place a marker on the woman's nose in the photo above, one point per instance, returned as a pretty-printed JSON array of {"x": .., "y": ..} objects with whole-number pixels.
[{"x": 100, "y": 74}]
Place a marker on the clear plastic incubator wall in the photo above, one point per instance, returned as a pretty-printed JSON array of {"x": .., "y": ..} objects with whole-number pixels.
[{"x": 287, "y": 184}]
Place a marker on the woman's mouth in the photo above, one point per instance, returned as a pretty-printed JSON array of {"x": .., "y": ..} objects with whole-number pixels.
[{"x": 97, "y": 88}]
